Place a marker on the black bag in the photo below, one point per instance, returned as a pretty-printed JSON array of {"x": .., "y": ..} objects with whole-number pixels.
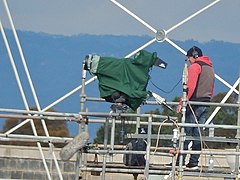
[{"x": 135, "y": 159}]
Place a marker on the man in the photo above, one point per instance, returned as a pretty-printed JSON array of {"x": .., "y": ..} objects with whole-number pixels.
[{"x": 200, "y": 86}]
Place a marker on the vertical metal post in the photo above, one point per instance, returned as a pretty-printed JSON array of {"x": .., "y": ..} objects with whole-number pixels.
[
  {"x": 105, "y": 142},
  {"x": 184, "y": 105},
  {"x": 174, "y": 140},
  {"x": 122, "y": 130},
  {"x": 112, "y": 135},
  {"x": 146, "y": 171},
  {"x": 138, "y": 120},
  {"x": 82, "y": 125},
  {"x": 211, "y": 131},
  {"x": 236, "y": 171},
  {"x": 238, "y": 122}
]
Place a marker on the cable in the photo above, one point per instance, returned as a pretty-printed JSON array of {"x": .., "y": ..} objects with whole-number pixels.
[
  {"x": 200, "y": 136},
  {"x": 158, "y": 137},
  {"x": 159, "y": 129},
  {"x": 199, "y": 131},
  {"x": 167, "y": 92}
]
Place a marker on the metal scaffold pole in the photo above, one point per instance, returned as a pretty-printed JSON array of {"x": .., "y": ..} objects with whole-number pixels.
[
  {"x": 236, "y": 171},
  {"x": 146, "y": 171},
  {"x": 238, "y": 122},
  {"x": 81, "y": 161},
  {"x": 184, "y": 105}
]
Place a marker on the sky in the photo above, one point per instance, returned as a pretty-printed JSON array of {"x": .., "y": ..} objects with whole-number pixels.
[{"x": 100, "y": 17}]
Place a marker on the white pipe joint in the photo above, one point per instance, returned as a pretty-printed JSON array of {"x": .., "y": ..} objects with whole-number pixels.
[{"x": 161, "y": 35}]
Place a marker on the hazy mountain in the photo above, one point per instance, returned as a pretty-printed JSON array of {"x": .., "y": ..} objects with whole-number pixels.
[{"x": 55, "y": 63}]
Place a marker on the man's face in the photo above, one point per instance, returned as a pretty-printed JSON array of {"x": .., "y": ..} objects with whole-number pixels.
[{"x": 191, "y": 59}]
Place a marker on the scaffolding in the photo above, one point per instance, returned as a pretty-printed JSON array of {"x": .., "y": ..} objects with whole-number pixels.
[
  {"x": 112, "y": 118},
  {"x": 107, "y": 151}
]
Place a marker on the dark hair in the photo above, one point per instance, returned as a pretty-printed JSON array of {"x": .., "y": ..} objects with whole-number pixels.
[{"x": 194, "y": 52}]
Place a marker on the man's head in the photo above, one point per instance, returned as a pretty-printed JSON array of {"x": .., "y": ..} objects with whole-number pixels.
[{"x": 194, "y": 52}]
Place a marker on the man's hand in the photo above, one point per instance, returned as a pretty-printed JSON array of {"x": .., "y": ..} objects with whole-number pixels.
[{"x": 179, "y": 108}]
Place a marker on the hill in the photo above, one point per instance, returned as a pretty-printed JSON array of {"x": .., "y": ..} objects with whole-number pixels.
[{"x": 55, "y": 63}]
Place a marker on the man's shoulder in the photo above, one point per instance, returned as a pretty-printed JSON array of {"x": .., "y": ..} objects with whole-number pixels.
[
  {"x": 204, "y": 60},
  {"x": 201, "y": 63}
]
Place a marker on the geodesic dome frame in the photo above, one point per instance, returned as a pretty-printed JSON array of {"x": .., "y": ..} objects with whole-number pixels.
[{"x": 161, "y": 35}]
